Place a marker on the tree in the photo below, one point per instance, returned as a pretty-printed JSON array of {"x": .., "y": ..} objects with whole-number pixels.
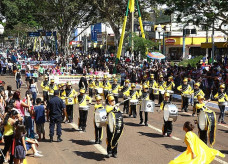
[{"x": 200, "y": 12}]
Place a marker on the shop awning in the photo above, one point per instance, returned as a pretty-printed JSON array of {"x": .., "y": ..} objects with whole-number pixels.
[{"x": 217, "y": 45}]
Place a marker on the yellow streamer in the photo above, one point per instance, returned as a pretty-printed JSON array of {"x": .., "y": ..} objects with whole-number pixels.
[{"x": 122, "y": 38}]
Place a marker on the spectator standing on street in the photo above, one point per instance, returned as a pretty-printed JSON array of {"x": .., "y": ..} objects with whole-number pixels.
[
  {"x": 56, "y": 108},
  {"x": 33, "y": 88},
  {"x": 18, "y": 79}
]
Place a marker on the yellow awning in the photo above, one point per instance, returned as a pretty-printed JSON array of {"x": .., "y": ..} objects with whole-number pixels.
[{"x": 217, "y": 44}]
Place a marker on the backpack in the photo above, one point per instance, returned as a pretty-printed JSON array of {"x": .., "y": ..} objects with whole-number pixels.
[{"x": 18, "y": 76}]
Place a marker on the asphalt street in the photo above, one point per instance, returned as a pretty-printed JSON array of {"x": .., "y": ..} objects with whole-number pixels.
[{"x": 138, "y": 143}]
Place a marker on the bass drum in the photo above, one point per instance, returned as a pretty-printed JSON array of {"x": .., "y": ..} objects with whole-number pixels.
[
  {"x": 147, "y": 106},
  {"x": 115, "y": 124},
  {"x": 100, "y": 117},
  {"x": 204, "y": 117},
  {"x": 170, "y": 112}
]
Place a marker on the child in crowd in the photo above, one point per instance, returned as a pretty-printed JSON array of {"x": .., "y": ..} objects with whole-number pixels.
[{"x": 39, "y": 118}]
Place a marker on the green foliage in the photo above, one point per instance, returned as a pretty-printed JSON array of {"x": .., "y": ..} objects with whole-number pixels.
[{"x": 192, "y": 62}]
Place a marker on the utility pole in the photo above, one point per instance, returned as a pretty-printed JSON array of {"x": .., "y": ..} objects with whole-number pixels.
[
  {"x": 213, "y": 42},
  {"x": 132, "y": 31}
]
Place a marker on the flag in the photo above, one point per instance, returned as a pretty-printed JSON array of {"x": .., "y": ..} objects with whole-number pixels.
[{"x": 132, "y": 5}]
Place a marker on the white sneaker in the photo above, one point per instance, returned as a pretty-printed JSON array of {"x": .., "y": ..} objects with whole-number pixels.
[
  {"x": 39, "y": 152},
  {"x": 37, "y": 155}
]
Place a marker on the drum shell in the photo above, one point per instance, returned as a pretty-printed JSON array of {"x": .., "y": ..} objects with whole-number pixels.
[
  {"x": 85, "y": 108},
  {"x": 202, "y": 120},
  {"x": 114, "y": 121},
  {"x": 100, "y": 117},
  {"x": 147, "y": 106},
  {"x": 70, "y": 101},
  {"x": 223, "y": 103},
  {"x": 170, "y": 112},
  {"x": 134, "y": 102},
  {"x": 186, "y": 96}
]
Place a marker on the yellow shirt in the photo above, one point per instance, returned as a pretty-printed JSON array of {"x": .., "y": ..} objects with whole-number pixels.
[
  {"x": 126, "y": 90},
  {"x": 161, "y": 85},
  {"x": 82, "y": 100},
  {"x": 116, "y": 88},
  {"x": 134, "y": 94},
  {"x": 97, "y": 84},
  {"x": 51, "y": 89},
  {"x": 70, "y": 97},
  {"x": 153, "y": 84},
  {"x": 45, "y": 85},
  {"x": 163, "y": 103},
  {"x": 97, "y": 106},
  {"x": 91, "y": 84},
  {"x": 170, "y": 85},
  {"x": 197, "y": 93},
  {"x": 8, "y": 129},
  {"x": 110, "y": 108},
  {"x": 185, "y": 89},
  {"x": 106, "y": 85},
  {"x": 222, "y": 97}
]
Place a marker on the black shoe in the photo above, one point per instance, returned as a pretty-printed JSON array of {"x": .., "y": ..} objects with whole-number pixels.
[
  {"x": 108, "y": 155},
  {"x": 146, "y": 124},
  {"x": 223, "y": 122},
  {"x": 182, "y": 110},
  {"x": 134, "y": 116},
  {"x": 51, "y": 139},
  {"x": 129, "y": 115},
  {"x": 96, "y": 142},
  {"x": 83, "y": 129},
  {"x": 140, "y": 122},
  {"x": 114, "y": 155},
  {"x": 59, "y": 139},
  {"x": 100, "y": 142}
]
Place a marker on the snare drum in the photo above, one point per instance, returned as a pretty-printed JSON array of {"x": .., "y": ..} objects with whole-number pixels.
[
  {"x": 85, "y": 108},
  {"x": 116, "y": 94},
  {"x": 223, "y": 103},
  {"x": 203, "y": 118},
  {"x": 170, "y": 112},
  {"x": 100, "y": 90},
  {"x": 134, "y": 102},
  {"x": 186, "y": 96},
  {"x": 147, "y": 106},
  {"x": 100, "y": 117},
  {"x": 169, "y": 91},
  {"x": 69, "y": 101},
  {"x": 162, "y": 92}
]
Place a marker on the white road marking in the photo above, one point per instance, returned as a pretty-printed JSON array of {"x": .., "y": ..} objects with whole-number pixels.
[
  {"x": 160, "y": 131},
  {"x": 75, "y": 126},
  {"x": 220, "y": 161},
  {"x": 100, "y": 148}
]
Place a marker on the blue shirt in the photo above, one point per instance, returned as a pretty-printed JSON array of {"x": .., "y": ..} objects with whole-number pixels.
[
  {"x": 39, "y": 114},
  {"x": 55, "y": 107}
]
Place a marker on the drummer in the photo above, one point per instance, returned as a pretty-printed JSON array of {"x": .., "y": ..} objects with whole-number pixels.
[
  {"x": 134, "y": 95},
  {"x": 185, "y": 89},
  {"x": 211, "y": 119},
  {"x": 91, "y": 86},
  {"x": 82, "y": 101},
  {"x": 98, "y": 130},
  {"x": 197, "y": 91},
  {"x": 222, "y": 98},
  {"x": 97, "y": 84},
  {"x": 167, "y": 127},
  {"x": 153, "y": 84},
  {"x": 61, "y": 90},
  {"x": 170, "y": 85},
  {"x": 144, "y": 96},
  {"x": 106, "y": 86},
  {"x": 115, "y": 89},
  {"x": 126, "y": 93},
  {"x": 112, "y": 151},
  {"x": 70, "y": 94},
  {"x": 161, "y": 87},
  {"x": 45, "y": 87},
  {"x": 145, "y": 81}
]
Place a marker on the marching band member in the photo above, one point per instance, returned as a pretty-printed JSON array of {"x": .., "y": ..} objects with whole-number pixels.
[
  {"x": 51, "y": 88},
  {"x": 145, "y": 81},
  {"x": 82, "y": 98},
  {"x": 222, "y": 98},
  {"x": 170, "y": 85},
  {"x": 115, "y": 89},
  {"x": 111, "y": 149},
  {"x": 210, "y": 130},
  {"x": 186, "y": 90},
  {"x": 167, "y": 127},
  {"x": 197, "y": 152},
  {"x": 97, "y": 84},
  {"x": 144, "y": 96},
  {"x": 161, "y": 87},
  {"x": 196, "y": 93},
  {"x": 106, "y": 87},
  {"x": 126, "y": 92},
  {"x": 134, "y": 95},
  {"x": 70, "y": 94},
  {"x": 91, "y": 86},
  {"x": 98, "y": 131},
  {"x": 45, "y": 87},
  {"x": 152, "y": 84}
]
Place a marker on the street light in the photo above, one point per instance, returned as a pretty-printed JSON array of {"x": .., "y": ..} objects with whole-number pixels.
[
  {"x": 159, "y": 30},
  {"x": 167, "y": 30}
]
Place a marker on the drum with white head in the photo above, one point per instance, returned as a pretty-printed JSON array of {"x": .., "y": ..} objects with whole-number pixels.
[
  {"x": 170, "y": 112},
  {"x": 202, "y": 120},
  {"x": 100, "y": 117},
  {"x": 84, "y": 108},
  {"x": 134, "y": 102},
  {"x": 147, "y": 106}
]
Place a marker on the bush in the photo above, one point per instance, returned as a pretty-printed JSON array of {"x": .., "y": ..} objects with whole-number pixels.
[{"x": 192, "y": 62}]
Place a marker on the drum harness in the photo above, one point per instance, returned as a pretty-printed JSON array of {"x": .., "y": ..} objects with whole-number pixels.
[
  {"x": 114, "y": 86},
  {"x": 185, "y": 88},
  {"x": 221, "y": 95},
  {"x": 97, "y": 83},
  {"x": 82, "y": 99},
  {"x": 161, "y": 84},
  {"x": 169, "y": 84},
  {"x": 151, "y": 83}
]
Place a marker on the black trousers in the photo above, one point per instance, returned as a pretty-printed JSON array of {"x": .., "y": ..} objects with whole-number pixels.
[
  {"x": 133, "y": 111},
  {"x": 160, "y": 98},
  {"x": 222, "y": 113},
  {"x": 69, "y": 109},
  {"x": 82, "y": 118},
  {"x": 203, "y": 135},
  {"x": 185, "y": 104},
  {"x": 90, "y": 92},
  {"x": 151, "y": 95},
  {"x": 126, "y": 106},
  {"x": 141, "y": 116},
  {"x": 168, "y": 127},
  {"x": 8, "y": 140},
  {"x": 105, "y": 96},
  {"x": 56, "y": 121},
  {"x": 45, "y": 95},
  {"x": 116, "y": 99},
  {"x": 109, "y": 138},
  {"x": 98, "y": 133},
  {"x": 194, "y": 108}
]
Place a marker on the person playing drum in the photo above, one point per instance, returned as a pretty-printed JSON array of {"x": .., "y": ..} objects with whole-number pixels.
[
  {"x": 97, "y": 84},
  {"x": 222, "y": 98},
  {"x": 170, "y": 85},
  {"x": 134, "y": 95},
  {"x": 196, "y": 93},
  {"x": 111, "y": 150},
  {"x": 98, "y": 130},
  {"x": 161, "y": 87},
  {"x": 144, "y": 96},
  {"x": 82, "y": 98},
  {"x": 91, "y": 86},
  {"x": 106, "y": 87},
  {"x": 167, "y": 127},
  {"x": 115, "y": 89},
  {"x": 186, "y": 94},
  {"x": 45, "y": 88},
  {"x": 70, "y": 94},
  {"x": 126, "y": 92},
  {"x": 210, "y": 127},
  {"x": 153, "y": 84}
]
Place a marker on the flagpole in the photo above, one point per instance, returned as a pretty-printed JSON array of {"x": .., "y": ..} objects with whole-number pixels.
[{"x": 121, "y": 39}]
